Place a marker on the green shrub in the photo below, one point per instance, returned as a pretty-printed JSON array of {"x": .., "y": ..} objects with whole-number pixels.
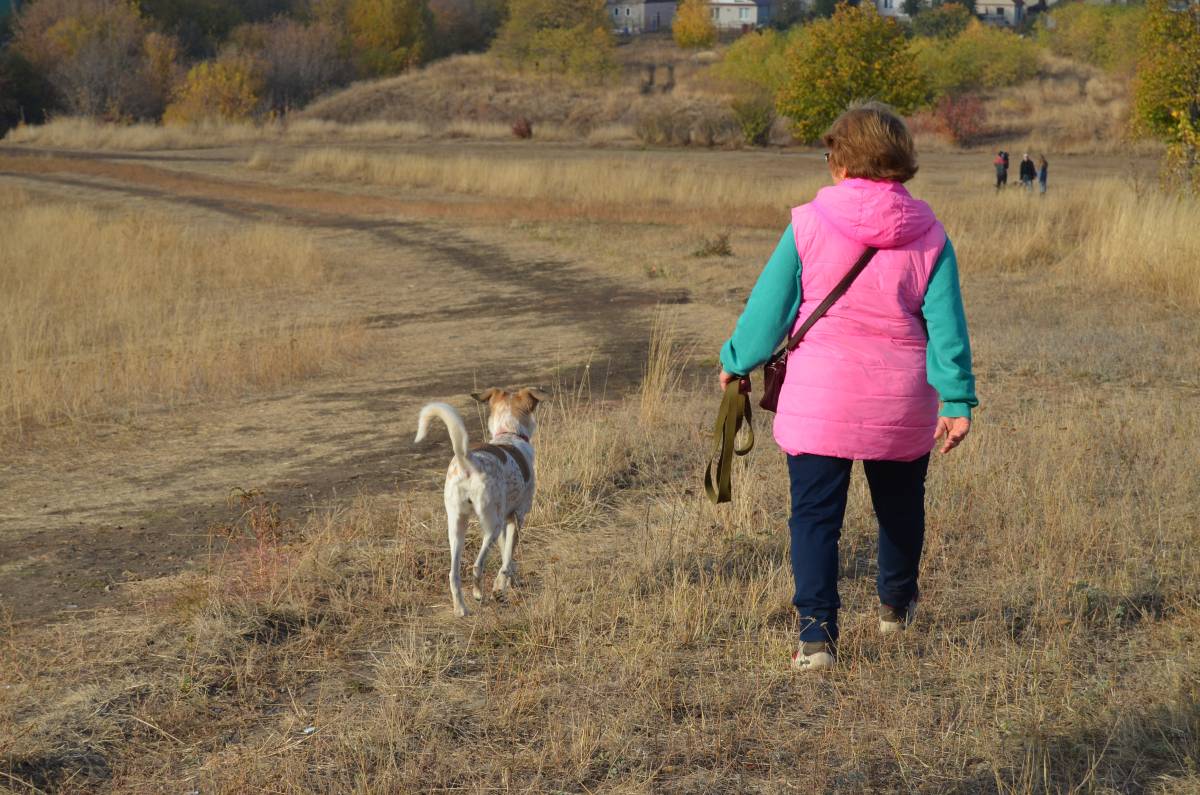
[
  {"x": 1101, "y": 35},
  {"x": 755, "y": 115},
  {"x": 855, "y": 54},
  {"x": 982, "y": 56},
  {"x": 757, "y": 60},
  {"x": 942, "y": 22},
  {"x": 572, "y": 37},
  {"x": 1167, "y": 95},
  {"x": 389, "y": 36}
]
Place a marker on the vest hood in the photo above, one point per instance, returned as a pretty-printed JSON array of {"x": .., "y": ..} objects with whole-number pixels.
[{"x": 879, "y": 214}]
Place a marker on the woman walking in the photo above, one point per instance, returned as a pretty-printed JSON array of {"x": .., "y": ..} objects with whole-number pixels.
[
  {"x": 866, "y": 381},
  {"x": 1042, "y": 172}
]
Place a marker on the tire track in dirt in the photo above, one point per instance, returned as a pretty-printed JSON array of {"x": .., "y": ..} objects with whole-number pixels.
[{"x": 72, "y": 557}]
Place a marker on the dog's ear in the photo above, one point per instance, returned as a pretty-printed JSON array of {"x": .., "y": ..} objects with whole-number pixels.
[
  {"x": 533, "y": 395},
  {"x": 486, "y": 395}
]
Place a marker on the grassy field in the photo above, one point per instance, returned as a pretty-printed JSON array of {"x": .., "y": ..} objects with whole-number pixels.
[
  {"x": 646, "y": 648},
  {"x": 108, "y": 312}
]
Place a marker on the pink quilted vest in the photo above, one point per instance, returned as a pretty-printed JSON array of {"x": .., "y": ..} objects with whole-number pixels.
[{"x": 856, "y": 386}]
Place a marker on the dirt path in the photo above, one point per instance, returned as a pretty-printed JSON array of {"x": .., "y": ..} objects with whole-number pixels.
[{"x": 137, "y": 500}]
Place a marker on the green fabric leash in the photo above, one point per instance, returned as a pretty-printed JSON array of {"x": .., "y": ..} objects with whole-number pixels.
[{"x": 733, "y": 416}]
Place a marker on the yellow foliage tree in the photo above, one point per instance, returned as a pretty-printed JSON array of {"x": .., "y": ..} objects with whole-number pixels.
[
  {"x": 228, "y": 90},
  {"x": 693, "y": 25},
  {"x": 571, "y": 37},
  {"x": 856, "y": 54},
  {"x": 389, "y": 36}
]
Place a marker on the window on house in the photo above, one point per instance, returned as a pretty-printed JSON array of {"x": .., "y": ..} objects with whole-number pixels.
[
  {"x": 999, "y": 12},
  {"x": 628, "y": 12},
  {"x": 616, "y": 12},
  {"x": 743, "y": 13},
  {"x": 887, "y": 3},
  {"x": 716, "y": 12}
]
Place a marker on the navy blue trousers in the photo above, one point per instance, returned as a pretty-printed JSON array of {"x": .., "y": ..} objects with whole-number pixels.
[{"x": 819, "y": 488}]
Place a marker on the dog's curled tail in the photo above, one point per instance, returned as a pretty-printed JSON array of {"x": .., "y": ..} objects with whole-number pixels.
[{"x": 456, "y": 427}]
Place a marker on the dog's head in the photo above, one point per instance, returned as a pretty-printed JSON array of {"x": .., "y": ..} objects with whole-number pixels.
[{"x": 511, "y": 412}]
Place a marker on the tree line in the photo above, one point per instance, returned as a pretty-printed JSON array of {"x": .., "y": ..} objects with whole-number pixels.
[{"x": 190, "y": 59}]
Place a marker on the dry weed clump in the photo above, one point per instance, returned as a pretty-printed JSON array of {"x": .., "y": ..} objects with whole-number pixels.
[{"x": 107, "y": 313}]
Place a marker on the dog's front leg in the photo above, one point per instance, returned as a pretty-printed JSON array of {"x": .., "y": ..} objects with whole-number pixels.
[{"x": 457, "y": 519}]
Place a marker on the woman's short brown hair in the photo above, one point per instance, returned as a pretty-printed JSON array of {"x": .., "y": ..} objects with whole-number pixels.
[{"x": 871, "y": 142}]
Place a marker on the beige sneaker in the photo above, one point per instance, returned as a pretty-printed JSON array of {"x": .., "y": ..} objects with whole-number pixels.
[
  {"x": 892, "y": 619},
  {"x": 813, "y": 655}
]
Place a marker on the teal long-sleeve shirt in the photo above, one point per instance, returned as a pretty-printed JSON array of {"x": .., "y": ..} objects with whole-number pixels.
[{"x": 775, "y": 302}]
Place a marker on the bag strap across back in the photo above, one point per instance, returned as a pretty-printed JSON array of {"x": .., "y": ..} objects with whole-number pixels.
[
  {"x": 734, "y": 415},
  {"x": 837, "y": 292}
]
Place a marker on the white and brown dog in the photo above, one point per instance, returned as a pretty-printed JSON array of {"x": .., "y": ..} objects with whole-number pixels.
[{"x": 495, "y": 479}]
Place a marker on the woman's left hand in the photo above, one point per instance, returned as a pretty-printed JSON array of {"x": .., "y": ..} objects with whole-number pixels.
[{"x": 951, "y": 430}]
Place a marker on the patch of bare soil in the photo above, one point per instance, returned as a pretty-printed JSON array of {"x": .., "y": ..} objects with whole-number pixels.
[{"x": 447, "y": 309}]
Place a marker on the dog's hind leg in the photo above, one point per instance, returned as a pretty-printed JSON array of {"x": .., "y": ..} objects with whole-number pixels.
[
  {"x": 508, "y": 567},
  {"x": 457, "y": 520},
  {"x": 492, "y": 526}
]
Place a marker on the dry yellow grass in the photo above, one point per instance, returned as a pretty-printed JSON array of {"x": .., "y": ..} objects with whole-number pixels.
[
  {"x": 609, "y": 179},
  {"x": 1145, "y": 243},
  {"x": 646, "y": 647},
  {"x": 83, "y": 133},
  {"x": 1069, "y": 108},
  {"x": 106, "y": 312}
]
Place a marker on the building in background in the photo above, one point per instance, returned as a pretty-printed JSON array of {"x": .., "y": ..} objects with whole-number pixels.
[
  {"x": 648, "y": 16},
  {"x": 743, "y": 15},
  {"x": 1008, "y": 13},
  {"x": 639, "y": 16}
]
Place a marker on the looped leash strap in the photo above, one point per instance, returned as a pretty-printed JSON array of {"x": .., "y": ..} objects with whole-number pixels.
[{"x": 733, "y": 416}]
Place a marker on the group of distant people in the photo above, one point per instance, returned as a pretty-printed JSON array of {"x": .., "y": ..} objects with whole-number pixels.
[{"x": 1028, "y": 171}]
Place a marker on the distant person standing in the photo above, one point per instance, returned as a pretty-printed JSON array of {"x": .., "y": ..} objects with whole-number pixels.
[
  {"x": 1028, "y": 172},
  {"x": 1001, "y": 163},
  {"x": 1043, "y": 169}
]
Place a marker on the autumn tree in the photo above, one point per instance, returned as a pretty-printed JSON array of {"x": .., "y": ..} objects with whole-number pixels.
[
  {"x": 389, "y": 36},
  {"x": 981, "y": 56},
  {"x": 101, "y": 56},
  {"x": 942, "y": 22},
  {"x": 1101, "y": 35},
  {"x": 465, "y": 25},
  {"x": 296, "y": 61},
  {"x": 1167, "y": 90},
  {"x": 693, "y": 25},
  {"x": 25, "y": 95},
  {"x": 227, "y": 89},
  {"x": 572, "y": 37},
  {"x": 856, "y": 54}
]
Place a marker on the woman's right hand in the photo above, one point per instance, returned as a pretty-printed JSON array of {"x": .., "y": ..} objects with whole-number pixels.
[{"x": 954, "y": 429}]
